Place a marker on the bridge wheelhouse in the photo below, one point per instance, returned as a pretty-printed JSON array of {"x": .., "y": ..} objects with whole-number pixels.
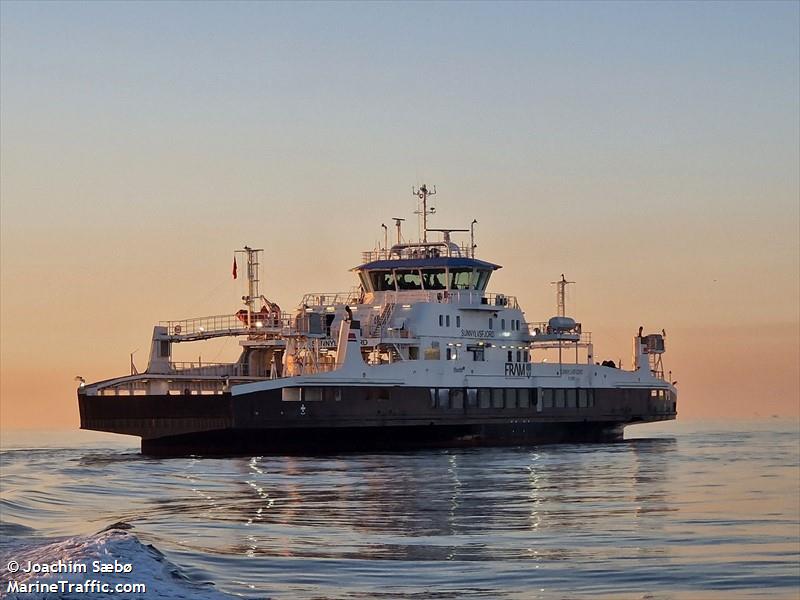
[{"x": 428, "y": 274}]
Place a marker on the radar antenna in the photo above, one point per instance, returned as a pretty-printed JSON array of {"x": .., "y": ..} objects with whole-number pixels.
[
  {"x": 422, "y": 193},
  {"x": 561, "y": 294},
  {"x": 398, "y": 222}
]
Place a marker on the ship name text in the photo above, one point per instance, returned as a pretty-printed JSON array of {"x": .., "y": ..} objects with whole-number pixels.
[
  {"x": 477, "y": 333},
  {"x": 518, "y": 369}
]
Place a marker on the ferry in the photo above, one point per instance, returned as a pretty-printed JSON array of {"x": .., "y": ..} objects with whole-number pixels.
[{"x": 419, "y": 354}]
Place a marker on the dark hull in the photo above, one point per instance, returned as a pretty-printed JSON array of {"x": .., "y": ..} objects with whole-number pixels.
[
  {"x": 377, "y": 439},
  {"x": 361, "y": 419}
]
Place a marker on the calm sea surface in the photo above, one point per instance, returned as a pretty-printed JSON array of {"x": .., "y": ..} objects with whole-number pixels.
[{"x": 677, "y": 511}]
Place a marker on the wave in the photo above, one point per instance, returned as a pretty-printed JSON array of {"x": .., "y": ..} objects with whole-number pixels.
[{"x": 148, "y": 566}]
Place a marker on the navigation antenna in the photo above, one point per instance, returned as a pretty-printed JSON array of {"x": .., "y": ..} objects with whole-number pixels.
[
  {"x": 422, "y": 193},
  {"x": 561, "y": 294},
  {"x": 398, "y": 222}
]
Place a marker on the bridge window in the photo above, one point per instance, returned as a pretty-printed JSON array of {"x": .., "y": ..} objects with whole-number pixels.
[
  {"x": 382, "y": 281},
  {"x": 510, "y": 357},
  {"x": 491, "y": 322},
  {"x": 434, "y": 279},
  {"x": 472, "y": 397},
  {"x": 441, "y": 320},
  {"x": 547, "y": 398},
  {"x": 524, "y": 398},
  {"x": 583, "y": 401},
  {"x": 460, "y": 279},
  {"x": 560, "y": 399},
  {"x": 408, "y": 280},
  {"x": 484, "y": 397},
  {"x": 502, "y": 324},
  {"x": 447, "y": 320},
  {"x": 483, "y": 279},
  {"x": 458, "y": 321}
]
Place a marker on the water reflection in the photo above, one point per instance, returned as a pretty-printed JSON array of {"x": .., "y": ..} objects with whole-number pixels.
[{"x": 486, "y": 504}]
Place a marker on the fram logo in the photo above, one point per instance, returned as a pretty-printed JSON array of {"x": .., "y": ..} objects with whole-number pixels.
[{"x": 518, "y": 369}]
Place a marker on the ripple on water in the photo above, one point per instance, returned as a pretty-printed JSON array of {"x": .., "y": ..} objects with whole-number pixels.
[{"x": 701, "y": 513}]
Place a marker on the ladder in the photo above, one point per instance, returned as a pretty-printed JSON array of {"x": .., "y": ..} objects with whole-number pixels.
[{"x": 381, "y": 319}]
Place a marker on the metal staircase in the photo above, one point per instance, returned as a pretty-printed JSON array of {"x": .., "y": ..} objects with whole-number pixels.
[{"x": 380, "y": 321}]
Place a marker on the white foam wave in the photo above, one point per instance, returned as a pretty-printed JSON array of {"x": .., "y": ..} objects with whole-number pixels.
[{"x": 162, "y": 578}]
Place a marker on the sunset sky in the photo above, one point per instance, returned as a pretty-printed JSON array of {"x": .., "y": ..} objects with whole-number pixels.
[{"x": 650, "y": 151}]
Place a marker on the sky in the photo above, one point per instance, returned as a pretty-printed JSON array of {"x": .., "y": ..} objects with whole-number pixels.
[{"x": 650, "y": 151}]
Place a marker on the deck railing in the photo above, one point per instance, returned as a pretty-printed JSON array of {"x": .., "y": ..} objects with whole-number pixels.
[
  {"x": 219, "y": 325},
  {"x": 413, "y": 251},
  {"x": 461, "y": 297},
  {"x": 332, "y": 298},
  {"x": 208, "y": 369}
]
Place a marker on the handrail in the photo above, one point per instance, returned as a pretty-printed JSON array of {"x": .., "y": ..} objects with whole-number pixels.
[
  {"x": 464, "y": 297},
  {"x": 418, "y": 250},
  {"x": 230, "y": 324},
  {"x": 207, "y": 368},
  {"x": 331, "y": 298}
]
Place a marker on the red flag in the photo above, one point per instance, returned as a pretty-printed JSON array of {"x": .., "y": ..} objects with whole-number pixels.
[{"x": 234, "y": 267}]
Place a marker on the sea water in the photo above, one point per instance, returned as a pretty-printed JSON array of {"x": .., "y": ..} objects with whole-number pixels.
[{"x": 676, "y": 511}]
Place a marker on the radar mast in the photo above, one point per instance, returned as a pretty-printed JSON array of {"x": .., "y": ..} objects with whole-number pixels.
[
  {"x": 561, "y": 294},
  {"x": 422, "y": 193}
]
